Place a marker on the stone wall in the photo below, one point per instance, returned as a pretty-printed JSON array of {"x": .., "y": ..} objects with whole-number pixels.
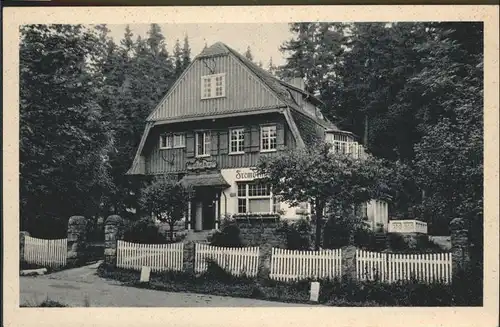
[{"x": 262, "y": 232}]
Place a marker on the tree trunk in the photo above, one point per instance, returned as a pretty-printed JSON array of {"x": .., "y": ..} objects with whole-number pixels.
[
  {"x": 319, "y": 219},
  {"x": 171, "y": 231},
  {"x": 365, "y": 134}
]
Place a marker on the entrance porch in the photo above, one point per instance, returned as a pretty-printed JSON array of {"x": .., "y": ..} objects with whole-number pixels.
[{"x": 205, "y": 207}]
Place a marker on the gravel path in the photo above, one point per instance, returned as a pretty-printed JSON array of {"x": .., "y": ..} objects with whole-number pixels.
[{"x": 81, "y": 287}]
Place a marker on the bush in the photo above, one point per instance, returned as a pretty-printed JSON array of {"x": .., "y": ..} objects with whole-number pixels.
[
  {"x": 339, "y": 227},
  {"x": 144, "y": 231},
  {"x": 298, "y": 234},
  {"x": 228, "y": 235}
]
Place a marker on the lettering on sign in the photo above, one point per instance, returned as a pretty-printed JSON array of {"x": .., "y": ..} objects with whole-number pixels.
[
  {"x": 201, "y": 164},
  {"x": 247, "y": 175}
]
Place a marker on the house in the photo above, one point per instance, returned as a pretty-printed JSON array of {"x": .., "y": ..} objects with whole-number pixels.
[{"x": 217, "y": 120}]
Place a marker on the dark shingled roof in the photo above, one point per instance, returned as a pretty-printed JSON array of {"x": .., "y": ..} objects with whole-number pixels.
[{"x": 208, "y": 179}]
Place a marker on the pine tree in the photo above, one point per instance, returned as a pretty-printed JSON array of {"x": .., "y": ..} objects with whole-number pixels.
[
  {"x": 186, "y": 53},
  {"x": 271, "y": 68},
  {"x": 127, "y": 43},
  {"x": 178, "y": 58},
  {"x": 248, "y": 54}
]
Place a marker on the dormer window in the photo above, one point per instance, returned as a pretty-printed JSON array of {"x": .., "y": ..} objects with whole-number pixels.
[{"x": 213, "y": 86}]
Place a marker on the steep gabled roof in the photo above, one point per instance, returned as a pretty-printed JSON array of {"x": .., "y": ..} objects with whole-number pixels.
[
  {"x": 279, "y": 87},
  {"x": 294, "y": 114}
]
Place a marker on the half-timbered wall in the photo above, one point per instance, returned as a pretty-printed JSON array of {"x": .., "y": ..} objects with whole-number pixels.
[{"x": 174, "y": 160}]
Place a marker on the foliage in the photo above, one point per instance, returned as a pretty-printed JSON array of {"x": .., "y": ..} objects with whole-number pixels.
[
  {"x": 298, "y": 234},
  {"x": 321, "y": 177},
  {"x": 144, "y": 231},
  {"x": 228, "y": 235},
  {"x": 339, "y": 229},
  {"x": 414, "y": 92},
  {"x": 167, "y": 200},
  {"x": 61, "y": 129}
]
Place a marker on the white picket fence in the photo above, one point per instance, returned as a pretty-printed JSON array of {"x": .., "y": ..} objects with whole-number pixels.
[
  {"x": 52, "y": 253},
  {"x": 237, "y": 261},
  {"x": 159, "y": 257},
  {"x": 289, "y": 265},
  {"x": 392, "y": 267}
]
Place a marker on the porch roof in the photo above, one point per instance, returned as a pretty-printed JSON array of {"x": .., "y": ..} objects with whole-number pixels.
[{"x": 206, "y": 179}]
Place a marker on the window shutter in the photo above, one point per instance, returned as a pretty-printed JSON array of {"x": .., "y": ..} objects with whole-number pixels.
[
  {"x": 247, "y": 140},
  {"x": 255, "y": 139},
  {"x": 214, "y": 144},
  {"x": 190, "y": 144},
  {"x": 280, "y": 137},
  {"x": 223, "y": 142}
]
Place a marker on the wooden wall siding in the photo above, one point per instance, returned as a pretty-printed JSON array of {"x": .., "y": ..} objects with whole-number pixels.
[
  {"x": 243, "y": 91},
  {"x": 174, "y": 160}
]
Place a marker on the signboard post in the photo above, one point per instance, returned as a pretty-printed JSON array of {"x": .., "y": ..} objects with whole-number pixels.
[
  {"x": 314, "y": 292},
  {"x": 145, "y": 273}
]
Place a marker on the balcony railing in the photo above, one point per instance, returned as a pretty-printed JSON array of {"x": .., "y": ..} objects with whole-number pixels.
[
  {"x": 343, "y": 142},
  {"x": 407, "y": 226}
]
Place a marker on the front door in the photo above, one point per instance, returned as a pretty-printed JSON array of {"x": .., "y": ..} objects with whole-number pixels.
[{"x": 208, "y": 212}]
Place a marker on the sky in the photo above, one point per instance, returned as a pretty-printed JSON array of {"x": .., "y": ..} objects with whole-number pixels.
[{"x": 264, "y": 39}]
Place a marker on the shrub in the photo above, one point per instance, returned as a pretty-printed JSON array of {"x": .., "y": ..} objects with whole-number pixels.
[
  {"x": 298, "y": 234},
  {"x": 144, "y": 231},
  {"x": 228, "y": 235},
  {"x": 339, "y": 227}
]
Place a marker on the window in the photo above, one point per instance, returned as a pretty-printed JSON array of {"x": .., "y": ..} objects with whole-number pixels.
[
  {"x": 256, "y": 198},
  {"x": 179, "y": 140},
  {"x": 268, "y": 138},
  {"x": 169, "y": 141},
  {"x": 213, "y": 86},
  {"x": 202, "y": 144},
  {"x": 166, "y": 141},
  {"x": 236, "y": 140}
]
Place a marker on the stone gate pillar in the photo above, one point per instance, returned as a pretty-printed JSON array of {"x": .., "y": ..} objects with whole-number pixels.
[
  {"x": 460, "y": 252},
  {"x": 348, "y": 262},
  {"x": 77, "y": 240},
  {"x": 22, "y": 238},
  {"x": 114, "y": 229}
]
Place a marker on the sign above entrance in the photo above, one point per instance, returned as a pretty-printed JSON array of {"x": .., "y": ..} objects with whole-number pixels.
[
  {"x": 247, "y": 174},
  {"x": 200, "y": 164}
]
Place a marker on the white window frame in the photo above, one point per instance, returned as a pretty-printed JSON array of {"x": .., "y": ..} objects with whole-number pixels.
[
  {"x": 207, "y": 140},
  {"x": 239, "y": 141},
  {"x": 170, "y": 141},
  {"x": 212, "y": 92},
  {"x": 273, "y": 202},
  {"x": 269, "y": 128}
]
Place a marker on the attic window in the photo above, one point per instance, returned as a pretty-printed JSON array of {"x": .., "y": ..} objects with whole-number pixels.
[{"x": 213, "y": 86}]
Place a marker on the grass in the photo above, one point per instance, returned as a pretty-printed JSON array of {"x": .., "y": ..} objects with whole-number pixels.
[
  {"x": 339, "y": 292},
  {"x": 48, "y": 303},
  {"x": 29, "y": 266}
]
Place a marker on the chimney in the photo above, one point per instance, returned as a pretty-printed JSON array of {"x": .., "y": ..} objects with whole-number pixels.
[{"x": 298, "y": 82}]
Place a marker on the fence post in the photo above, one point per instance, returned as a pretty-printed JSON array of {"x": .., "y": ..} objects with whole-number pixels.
[
  {"x": 77, "y": 240},
  {"x": 348, "y": 262},
  {"x": 22, "y": 240},
  {"x": 460, "y": 254},
  {"x": 114, "y": 229},
  {"x": 188, "y": 257},
  {"x": 264, "y": 269}
]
